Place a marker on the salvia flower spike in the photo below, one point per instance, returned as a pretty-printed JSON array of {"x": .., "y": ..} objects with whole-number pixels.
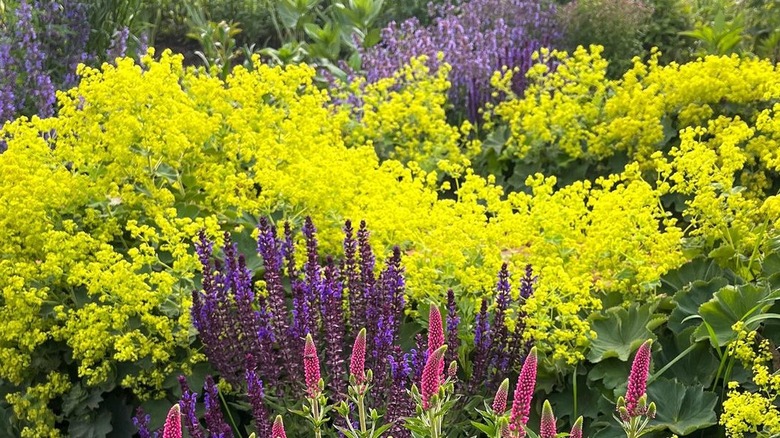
[
  {"x": 432, "y": 376},
  {"x": 547, "y": 426},
  {"x": 524, "y": 392},
  {"x": 172, "y": 428},
  {"x": 637, "y": 381},
  {"x": 311, "y": 367},
  {"x": 357, "y": 363},
  {"x": 278, "y": 428}
]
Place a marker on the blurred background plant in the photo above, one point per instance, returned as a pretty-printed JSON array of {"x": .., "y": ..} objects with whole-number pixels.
[{"x": 619, "y": 26}]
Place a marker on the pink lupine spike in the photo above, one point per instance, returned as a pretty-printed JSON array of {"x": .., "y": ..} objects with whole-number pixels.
[
  {"x": 524, "y": 392},
  {"x": 435, "y": 330},
  {"x": 311, "y": 367},
  {"x": 547, "y": 426},
  {"x": 576, "y": 430},
  {"x": 277, "y": 431},
  {"x": 357, "y": 363},
  {"x": 432, "y": 376},
  {"x": 172, "y": 428},
  {"x": 499, "y": 402},
  {"x": 637, "y": 379}
]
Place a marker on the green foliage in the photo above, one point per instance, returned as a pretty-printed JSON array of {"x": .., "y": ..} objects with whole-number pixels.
[
  {"x": 106, "y": 17},
  {"x": 618, "y": 25},
  {"x": 620, "y": 331},
  {"x": 682, "y": 409}
]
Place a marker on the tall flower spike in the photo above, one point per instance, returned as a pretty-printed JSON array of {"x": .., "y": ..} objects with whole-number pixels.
[
  {"x": 576, "y": 430},
  {"x": 432, "y": 375},
  {"x": 435, "y": 330},
  {"x": 524, "y": 392},
  {"x": 547, "y": 426},
  {"x": 172, "y": 428},
  {"x": 278, "y": 429},
  {"x": 357, "y": 363},
  {"x": 311, "y": 367},
  {"x": 499, "y": 402},
  {"x": 637, "y": 380}
]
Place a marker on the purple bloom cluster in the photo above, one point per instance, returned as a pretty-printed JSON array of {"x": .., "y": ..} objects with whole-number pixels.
[
  {"x": 48, "y": 41},
  {"x": 497, "y": 351},
  {"x": 477, "y": 37},
  {"x": 141, "y": 422}
]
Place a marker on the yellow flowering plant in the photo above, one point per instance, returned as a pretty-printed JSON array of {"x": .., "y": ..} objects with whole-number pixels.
[{"x": 101, "y": 203}]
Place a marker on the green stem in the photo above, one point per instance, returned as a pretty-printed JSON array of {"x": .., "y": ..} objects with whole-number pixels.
[
  {"x": 315, "y": 412},
  {"x": 669, "y": 365},
  {"x": 362, "y": 413},
  {"x": 230, "y": 416},
  {"x": 434, "y": 424},
  {"x": 574, "y": 385}
]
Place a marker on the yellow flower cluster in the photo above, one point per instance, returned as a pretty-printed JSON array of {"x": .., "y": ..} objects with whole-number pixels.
[
  {"x": 747, "y": 412},
  {"x": 576, "y": 109},
  {"x": 404, "y": 118},
  {"x": 97, "y": 216}
]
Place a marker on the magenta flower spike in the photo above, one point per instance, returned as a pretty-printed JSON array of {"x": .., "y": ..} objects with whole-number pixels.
[
  {"x": 547, "y": 426},
  {"x": 311, "y": 367},
  {"x": 277, "y": 431},
  {"x": 499, "y": 402},
  {"x": 637, "y": 380},
  {"x": 524, "y": 392},
  {"x": 432, "y": 376},
  {"x": 172, "y": 428},
  {"x": 576, "y": 430},
  {"x": 357, "y": 363},
  {"x": 435, "y": 330}
]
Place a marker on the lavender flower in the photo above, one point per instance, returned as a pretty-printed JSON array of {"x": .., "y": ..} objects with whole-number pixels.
[
  {"x": 477, "y": 38},
  {"x": 215, "y": 421},
  {"x": 351, "y": 278},
  {"x": 118, "y": 47},
  {"x": 333, "y": 325},
  {"x": 141, "y": 422},
  {"x": 452, "y": 328},
  {"x": 256, "y": 396},
  {"x": 187, "y": 406},
  {"x": 499, "y": 353}
]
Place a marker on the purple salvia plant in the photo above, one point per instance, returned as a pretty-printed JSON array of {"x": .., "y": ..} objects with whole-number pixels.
[
  {"x": 351, "y": 279},
  {"x": 187, "y": 404},
  {"x": 499, "y": 353},
  {"x": 477, "y": 38},
  {"x": 256, "y": 396},
  {"x": 272, "y": 251},
  {"x": 333, "y": 326},
  {"x": 482, "y": 345},
  {"x": 37, "y": 79},
  {"x": 399, "y": 405},
  {"x": 312, "y": 273},
  {"x": 141, "y": 422},
  {"x": 367, "y": 263},
  {"x": 518, "y": 346},
  {"x": 215, "y": 421},
  {"x": 453, "y": 320},
  {"x": 8, "y": 101},
  {"x": 118, "y": 48}
]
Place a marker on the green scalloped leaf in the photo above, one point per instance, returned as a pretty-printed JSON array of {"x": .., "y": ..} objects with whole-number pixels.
[
  {"x": 619, "y": 331},
  {"x": 681, "y": 409},
  {"x": 689, "y": 300},
  {"x": 729, "y": 305}
]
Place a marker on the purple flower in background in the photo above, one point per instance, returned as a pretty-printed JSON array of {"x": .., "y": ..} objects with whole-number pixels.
[
  {"x": 38, "y": 81},
  {"x": 141, "y": 422},
  {"x": 187, "y": 405},
  {"x": 334, "y": 326},
  {"x": 256, "y": 396},
  {"x": 452, "y": 328},
  {"x": 499, "y": 355},
  {"x": 215, "y": 421},
  {"x": 477, "y": 37},
  {"x": 8, "y": 101},
  {"x": 118, "y": 47}
]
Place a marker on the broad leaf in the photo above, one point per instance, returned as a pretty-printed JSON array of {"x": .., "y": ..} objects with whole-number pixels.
[
  {"x": 688, "y": 301},
  {"x": 619, "y": 332},
  {"x": 697, "y": 366},
  {"x": 729, "y": 305},
  {"x": 681, "y": 409},
  {"x": 611, "y": 372}
]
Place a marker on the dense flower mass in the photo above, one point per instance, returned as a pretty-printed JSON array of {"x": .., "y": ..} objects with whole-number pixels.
[{"x": 476, "y": 37}]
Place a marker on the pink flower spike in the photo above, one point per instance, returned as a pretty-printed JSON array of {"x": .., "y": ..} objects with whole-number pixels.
[
  {"x": 432, "y": 376},
  {"x": 172, "y": 428},
  {"x": 357, "y": 363},
  {"x": 524, "y": 392},
  {"x": 499, "y": 402},
  {"x": 435, "y": 330},
  {"x": 576, "y": 430},
  {"x": 277, "y": 431},
  {"x": 637, "y": 379},
  {"x": 547, "y": 426},
  {"x": 311, "y": 367}
]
